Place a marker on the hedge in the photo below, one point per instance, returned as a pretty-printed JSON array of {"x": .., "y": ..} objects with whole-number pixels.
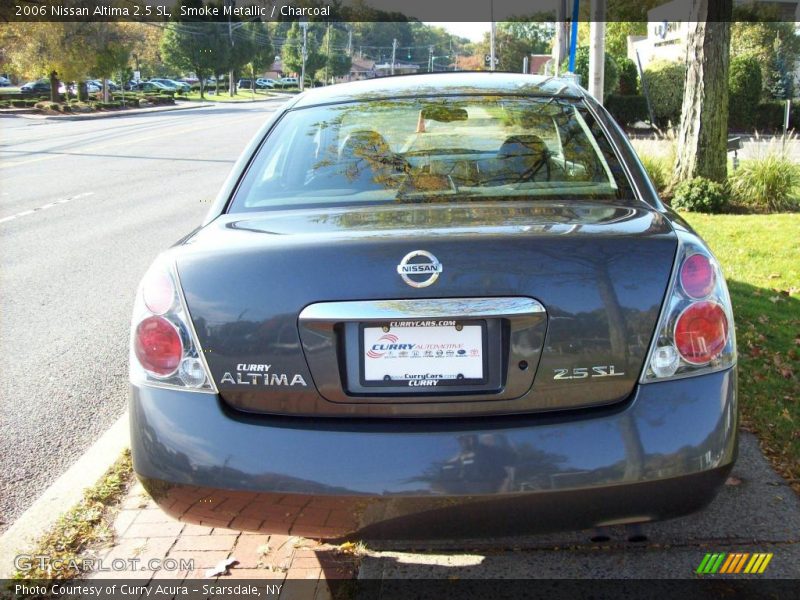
[
  {"x": 628, "y": 77},
  {"x": 744, "y": 84},
  {"x": 160, "y": 99},
  {"x": 665, "y": 82},
  {"x": 627, "y": 109}
]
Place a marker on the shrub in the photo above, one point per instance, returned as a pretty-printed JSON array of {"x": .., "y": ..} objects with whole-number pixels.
[
  {"x": 627, "y": 109},
  {"x": 659, "y": 169},
  {"x": 5, "y": 104},
  {"x": 107, "y": 105},
  {"x": 744, "y": 84},
  {"x": 610, "y": 76},
  {"x": 665, "y": 82},
  {"x": 628, "y": 77},
  {"x": 157, "y": 100},
  {"x": 769, "y": 181},
  {"x": 700, "y": 195}
]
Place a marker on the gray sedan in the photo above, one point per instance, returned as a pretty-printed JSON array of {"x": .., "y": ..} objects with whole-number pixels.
[{"x": 436, "y": 305}]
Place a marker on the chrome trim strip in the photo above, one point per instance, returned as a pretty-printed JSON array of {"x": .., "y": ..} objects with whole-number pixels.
[{"x": 381, "y": 310}]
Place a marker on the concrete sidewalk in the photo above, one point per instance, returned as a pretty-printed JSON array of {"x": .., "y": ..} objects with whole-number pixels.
[{"x": 755, "y": 512}]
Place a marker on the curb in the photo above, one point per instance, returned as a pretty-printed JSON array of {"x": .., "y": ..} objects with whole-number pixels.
[
  {"x": 64, "y": 493},
  {"x": 111, "y": 115}
]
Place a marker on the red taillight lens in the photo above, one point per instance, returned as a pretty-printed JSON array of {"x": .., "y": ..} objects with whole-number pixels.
[
  {"x": 701, "y": 332},
  {"x": 697, "y": 276},
  {"x": 158, "y": 346},
  {"x": 158, "y": 292}
]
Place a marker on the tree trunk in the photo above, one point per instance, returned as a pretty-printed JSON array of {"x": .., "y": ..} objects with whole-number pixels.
[
  {"x": 54, "y": 87},
  {"x": 702, "y": 140}
]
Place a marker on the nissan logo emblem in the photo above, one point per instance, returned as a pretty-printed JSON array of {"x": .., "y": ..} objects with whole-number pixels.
[{"x": 419, "y": 264}]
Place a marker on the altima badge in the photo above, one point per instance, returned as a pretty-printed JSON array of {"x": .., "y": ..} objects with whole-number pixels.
[{"x": 426, "y": 265}]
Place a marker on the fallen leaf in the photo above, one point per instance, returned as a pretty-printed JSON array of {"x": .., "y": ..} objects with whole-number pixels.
[
  {"x": 732, "y": 480},
  {"x": 786, "y": 373},
  {"x": 774, "y": 275},
  {"x": 221, "y": 568}
]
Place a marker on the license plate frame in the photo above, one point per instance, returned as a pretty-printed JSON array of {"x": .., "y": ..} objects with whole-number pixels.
[{"x": 418, "y": 383}]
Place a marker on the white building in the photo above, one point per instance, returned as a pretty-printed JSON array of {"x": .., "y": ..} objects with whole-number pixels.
[{"x": 667, "y": 31}]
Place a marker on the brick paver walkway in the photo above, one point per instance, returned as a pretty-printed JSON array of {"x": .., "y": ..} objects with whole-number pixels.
[{"x": 144, "y": 533}]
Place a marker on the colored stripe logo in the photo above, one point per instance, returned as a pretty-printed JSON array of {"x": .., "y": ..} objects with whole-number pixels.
[{"x": 735, "y": 562}]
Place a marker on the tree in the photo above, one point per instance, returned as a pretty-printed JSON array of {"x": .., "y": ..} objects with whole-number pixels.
[
  {"x": 759, "y": 31},
  {"x": 292, "y": 53},
  {"x": 58, "y": 50},
  {"x": 337, "y": 62},
  {"x": 514, "y": 40},
  {"x": 611, "y": 73},
  {"x": 193, "y": 45},
  {"x": 702, "y": 138},
  {"x": 744, "y": 89},
  {"x": 112, "y": 51},
  {"x": 263, "y": 54}
]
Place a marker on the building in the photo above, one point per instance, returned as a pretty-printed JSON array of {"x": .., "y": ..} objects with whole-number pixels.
[
  {"x": 400, "y": 68},
  {"x": 668, "y": 29}
]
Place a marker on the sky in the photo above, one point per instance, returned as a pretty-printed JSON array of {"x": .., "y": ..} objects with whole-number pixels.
[{"x": 473, "y": 31}]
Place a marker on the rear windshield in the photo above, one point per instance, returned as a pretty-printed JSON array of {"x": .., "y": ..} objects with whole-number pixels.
[{"x": 436, "y": 148}]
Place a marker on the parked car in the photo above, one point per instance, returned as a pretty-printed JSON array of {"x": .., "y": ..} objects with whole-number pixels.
[
  {"x": 154, "y": 86},
  {"x": 98, "y": 83},
  {"x": 4, "y": 81},
  {"x": 247, "y": 84},
  {"x": 265, "y": 82},
  {"x": 435, "y": 306},
  {"x": 173, "y": 85},
  {"x": 40, "y": 86},
  {"x": 285, "y": 82}
]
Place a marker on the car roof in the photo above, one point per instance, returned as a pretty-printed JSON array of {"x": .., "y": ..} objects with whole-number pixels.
[{"x": 444, "y": 83}]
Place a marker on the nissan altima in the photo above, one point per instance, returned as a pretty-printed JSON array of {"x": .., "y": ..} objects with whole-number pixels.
[{"x": 435, "y": 305}]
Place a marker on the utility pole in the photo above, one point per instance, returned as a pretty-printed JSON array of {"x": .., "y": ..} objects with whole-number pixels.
[
  {"x": 328, "y": 55},
  {"x": 231, "y": 83},
  {"x": 394, "y": 52},
  {"x": 597, "y": 32},
  {"x": 559, "y": 49},
  {"x": 304, "y": 25},
  {"x": 350, "y": 41},
  {"x": 430, "y": 59},
  {"x": 491, "y": 40}
]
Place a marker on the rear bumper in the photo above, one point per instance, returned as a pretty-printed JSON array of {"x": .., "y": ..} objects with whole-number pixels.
[{"x": 661, "y": 454}]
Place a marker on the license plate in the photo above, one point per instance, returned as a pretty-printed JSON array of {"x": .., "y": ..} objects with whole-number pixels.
[{"x": 424, "y": 353}]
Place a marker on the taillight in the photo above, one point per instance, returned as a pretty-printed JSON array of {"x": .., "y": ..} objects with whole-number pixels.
[
  {"x": 697, "y": 276},
  {"x": 157, "y": 344},
  {"x": 701, "y": 332},
  {"x": 164, "y": 347},
  {"x": 695, "y": 334},
  {"x": 158, "y": 291}
]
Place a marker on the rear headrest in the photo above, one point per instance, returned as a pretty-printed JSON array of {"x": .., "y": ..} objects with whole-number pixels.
[{"x": 523, "y": 145}]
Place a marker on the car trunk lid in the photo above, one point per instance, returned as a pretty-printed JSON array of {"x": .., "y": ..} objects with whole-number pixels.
[{"x": 599, "y": 272}]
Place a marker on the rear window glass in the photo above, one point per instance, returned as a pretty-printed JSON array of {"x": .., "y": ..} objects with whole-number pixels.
[{"x": 437, "y": 148}]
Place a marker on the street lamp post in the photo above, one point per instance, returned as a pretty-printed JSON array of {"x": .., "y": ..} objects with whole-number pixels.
[{"x": 304, "y": 25}]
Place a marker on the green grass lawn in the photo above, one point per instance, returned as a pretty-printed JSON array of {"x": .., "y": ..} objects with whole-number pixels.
[
  {"x": 760, "y": 255},
  {"x": 241, "y": 96},
  {"x": 9, "y": 90}
]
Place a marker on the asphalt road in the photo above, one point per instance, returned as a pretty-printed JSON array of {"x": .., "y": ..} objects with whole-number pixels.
[{"x": 85, "y": 206}]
